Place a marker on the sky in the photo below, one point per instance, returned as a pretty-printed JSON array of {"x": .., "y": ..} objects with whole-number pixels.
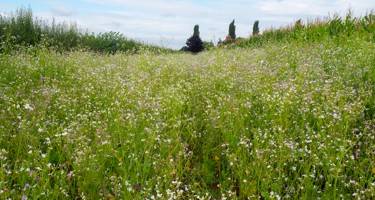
[{"x": 169, "y": 23}]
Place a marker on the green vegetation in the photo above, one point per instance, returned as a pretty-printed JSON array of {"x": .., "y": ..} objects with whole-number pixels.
[
  {"x": 195, "y": 44},
  {"x": 288, "y": 114},
  {"x": 335, "y": 28},
  {"x": 21, "y": 29},
  {"x": 196, "y": 30},
  {"x": 256, "y": 28},
  {"x": 232, "y": 30}
]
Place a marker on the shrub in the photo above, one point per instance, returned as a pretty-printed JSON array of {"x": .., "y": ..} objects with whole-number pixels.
[
  {"x": 208, "y": 45},
  {"x": 194, "y": 44}
]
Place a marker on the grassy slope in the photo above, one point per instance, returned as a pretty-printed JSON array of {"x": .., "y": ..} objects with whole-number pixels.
[{"x": 286, "y": 120}]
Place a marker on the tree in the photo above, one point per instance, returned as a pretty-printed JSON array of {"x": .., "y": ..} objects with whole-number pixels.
[
  {"x": 219, "y": 42},
  {"x": 232, "y": 30},
  {"x": 194, "y": 44},
  {"x": 256, "y": 28},
  {"x": 196, "y": 30}
]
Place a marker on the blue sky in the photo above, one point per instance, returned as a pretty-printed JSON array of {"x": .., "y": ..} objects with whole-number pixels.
[{"x": 170, "y": 22}]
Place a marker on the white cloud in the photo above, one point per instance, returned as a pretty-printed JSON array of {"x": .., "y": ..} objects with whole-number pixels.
[
  {"x": 313, "y": 7},
  {"x": 63, "y": 11}
]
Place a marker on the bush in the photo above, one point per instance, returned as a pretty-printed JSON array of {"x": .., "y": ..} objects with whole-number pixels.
[
  {"x": 208, "y": 45},
  {"x": 194, "y": 44}
]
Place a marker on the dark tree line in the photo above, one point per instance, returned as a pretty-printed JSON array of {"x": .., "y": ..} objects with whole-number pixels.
[{"x": 195, "y": 44}]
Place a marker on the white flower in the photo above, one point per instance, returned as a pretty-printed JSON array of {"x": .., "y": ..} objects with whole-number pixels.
[
  {"x": 61, "y": 134},
  {"x": 28, "y": 107}
]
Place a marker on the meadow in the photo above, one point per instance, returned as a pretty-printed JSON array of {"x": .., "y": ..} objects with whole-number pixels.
[{"x": 286, "y": 120}]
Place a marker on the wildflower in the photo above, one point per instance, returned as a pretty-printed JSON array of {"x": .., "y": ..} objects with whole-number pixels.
[
  {"x": 24, "y": 197},
  {"x": 61, "y": 134},
  {"x": 28, "y": 107},
  {"x": 37, "y": 179},
  {"x": 336, "y": 116},
  {"x": 71, "y": 174},
  {"x": 26, "y": 186}
]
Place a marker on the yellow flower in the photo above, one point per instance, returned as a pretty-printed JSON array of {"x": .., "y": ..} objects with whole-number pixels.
[{"x": 217, "y": 158}]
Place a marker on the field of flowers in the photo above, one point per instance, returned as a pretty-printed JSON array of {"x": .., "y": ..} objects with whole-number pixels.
[{"x": 286, "y": 121}]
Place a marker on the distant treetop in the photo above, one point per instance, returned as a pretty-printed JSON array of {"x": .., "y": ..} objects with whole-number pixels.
[
  {"x": 256, "y": 28},
  {"x": 196, "y": 30},
  {"x": 232, "y": 30}
]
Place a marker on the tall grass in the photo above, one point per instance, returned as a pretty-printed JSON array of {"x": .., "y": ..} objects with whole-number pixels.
[
  {"x": 336, "y": 27},
  {"x": 289, "y": 120}
]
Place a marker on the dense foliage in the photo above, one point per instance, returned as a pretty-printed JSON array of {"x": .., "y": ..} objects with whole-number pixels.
[
  {"x": 194, "y": 44},
  {"x": 232, "y": 30},
  {"x": 256, "y": 28},
  {"x": 196, "y": 30}
]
